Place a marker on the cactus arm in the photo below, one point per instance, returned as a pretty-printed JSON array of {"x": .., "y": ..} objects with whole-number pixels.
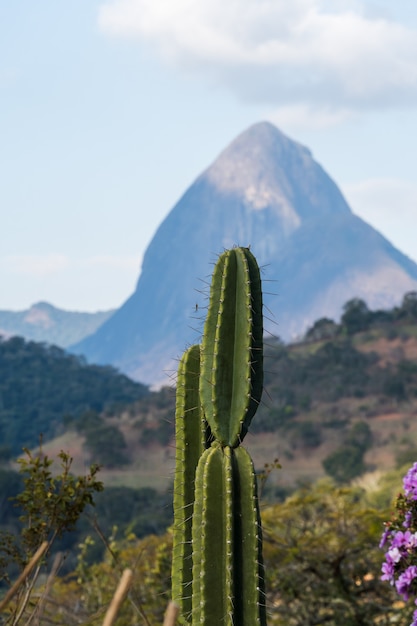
[
  {"x": 212, "y": 540},
  {"x": 231, "y": 368},
  {"x": 189, "y": 427},
  {"x": 248, "y": 544},
  {"x": 227, "y": 559}
]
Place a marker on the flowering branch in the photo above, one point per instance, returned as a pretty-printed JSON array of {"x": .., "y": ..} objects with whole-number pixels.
[{"x": 400, "y": 535}]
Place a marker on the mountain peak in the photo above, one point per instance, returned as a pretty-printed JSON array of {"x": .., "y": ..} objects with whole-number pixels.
[
  {"x": 267, "y": 170},
  {"x": 42, "y": 305},
  {"x": 265, "y": 190}
]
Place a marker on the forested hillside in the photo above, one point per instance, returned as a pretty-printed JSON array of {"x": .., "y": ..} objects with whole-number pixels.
[
  {"x": 341, "y": 401},
  {"x": 41, "y": 384}
]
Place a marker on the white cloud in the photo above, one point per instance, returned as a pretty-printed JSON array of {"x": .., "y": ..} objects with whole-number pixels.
[
  {"x": 279, "y": 52},
  {"x": 390, "y": 205}
]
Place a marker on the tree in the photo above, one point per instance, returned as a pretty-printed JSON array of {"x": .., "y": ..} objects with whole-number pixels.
[
  {"x": 106, "y": 445},
  {"x": 356, "y": 316},
  {"x": 50, "y": 506},
  {"x": 323, "y": 562},
  {"x": 323, "y": 328},
  {"x": 408, "y": 309}
]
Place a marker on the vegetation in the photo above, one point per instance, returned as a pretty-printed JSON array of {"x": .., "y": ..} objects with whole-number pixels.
[
  {"x": 322, "y": 561},
  {"x": 141, "y": 511},
  {"x": 342, "y": 396},
  {"x": 315, "y": 391},
  {"x": 50, "y": 506},
  {"x": 347, "y": 462},
  {"x": 40, "y": 384}
]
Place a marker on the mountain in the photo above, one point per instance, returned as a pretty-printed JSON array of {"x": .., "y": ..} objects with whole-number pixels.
[
  {"x": 266, "y": 191},
  {"x": 343, "y": 401},
  {"x": 41, "y": 387},
  {"x": 44, "y": 322}
]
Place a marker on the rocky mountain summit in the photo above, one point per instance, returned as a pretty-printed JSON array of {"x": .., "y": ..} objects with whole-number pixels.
[{"x": 267, "y": 192}]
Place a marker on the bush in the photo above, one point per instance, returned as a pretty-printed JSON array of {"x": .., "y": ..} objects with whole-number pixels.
[
  {"x": 345, "y": 464},
  {"x": 107, "y": 446}
]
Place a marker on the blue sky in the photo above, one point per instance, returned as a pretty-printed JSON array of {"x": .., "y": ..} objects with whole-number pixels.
[{"x": 110, "y": 109}]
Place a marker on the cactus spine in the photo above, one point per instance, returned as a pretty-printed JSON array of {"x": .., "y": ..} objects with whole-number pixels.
[{"x": 226, "y": 542}]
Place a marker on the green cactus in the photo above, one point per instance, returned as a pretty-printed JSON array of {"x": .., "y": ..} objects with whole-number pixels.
[
  {"x": 190, "y": 443},
  {"x": 231, "y": 378},
  {"x": 224, "y": 540},
  {"x": 227, "y": 543}
]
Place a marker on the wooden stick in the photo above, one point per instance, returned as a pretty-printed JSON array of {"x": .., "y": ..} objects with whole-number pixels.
[
  {"x": 29, "y": 567},
  {"x": 171, "y": 614},
  {"x": 118, "y": 597},
  {"x": 37, "y": 613}
]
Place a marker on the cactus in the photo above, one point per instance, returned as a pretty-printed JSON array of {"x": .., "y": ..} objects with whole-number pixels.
[
  {"x": 224, "y": 539},
  {"x": 190, "y": 443},
  {"x": 231, "y": 378}
]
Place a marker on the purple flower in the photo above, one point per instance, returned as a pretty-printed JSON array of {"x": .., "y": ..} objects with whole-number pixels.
[
  {"x": 400, "y": 539},
  {"x": 393, "y": 555},
  {"x": 404, "y": 540},
  {"x": 408, "y": 519},
  {"x": 414, "y": 622},
  {"x": 385, "y": 536},
  {"x": 410, "y": 482},
  {"x": 404, "y": 581},
  {"x": 388, "y": 571}
]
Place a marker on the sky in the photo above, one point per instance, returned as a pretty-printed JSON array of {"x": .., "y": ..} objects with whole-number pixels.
[{"x": 109, "y": 110}]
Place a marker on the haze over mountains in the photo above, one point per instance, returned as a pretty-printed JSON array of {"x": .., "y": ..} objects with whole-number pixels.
[
  {"x": 266, "y": 191},
  {"x": 44, "y": 322}
]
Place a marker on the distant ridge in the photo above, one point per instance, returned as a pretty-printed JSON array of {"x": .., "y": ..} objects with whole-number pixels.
[
  {"x": 267, "y": 191},
  {"x": 44, "y": 322}
]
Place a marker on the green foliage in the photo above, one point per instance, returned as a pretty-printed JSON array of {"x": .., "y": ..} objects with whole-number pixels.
[
  {"x": 39, "y": 384},
  {"x": 406, "y": 457},
  {"x": 323, "y": 328},
  {"x": 335, "y": 370},
  {"x": 323, "y": 563},
  {"x": 142, "y": 511},
  {"x": 356, "y": 316},
  {"x": 11, "y": 483},
  {"x": 360, "y": 436},
  {"x": 160, "y": 435},
  {"x": 305, "y": 434},
  {"x": 50, "y": 505},
  {"x": 84, "y": 596},
  {"x": 107, "y": 446},
  {"x": 269, "y": 420},
  {"x": 347, "y": 462},
  {"x": 322, "y": 559},
  {"x": 105, "y": 443},
  {"x": 408, "y": 309}
]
